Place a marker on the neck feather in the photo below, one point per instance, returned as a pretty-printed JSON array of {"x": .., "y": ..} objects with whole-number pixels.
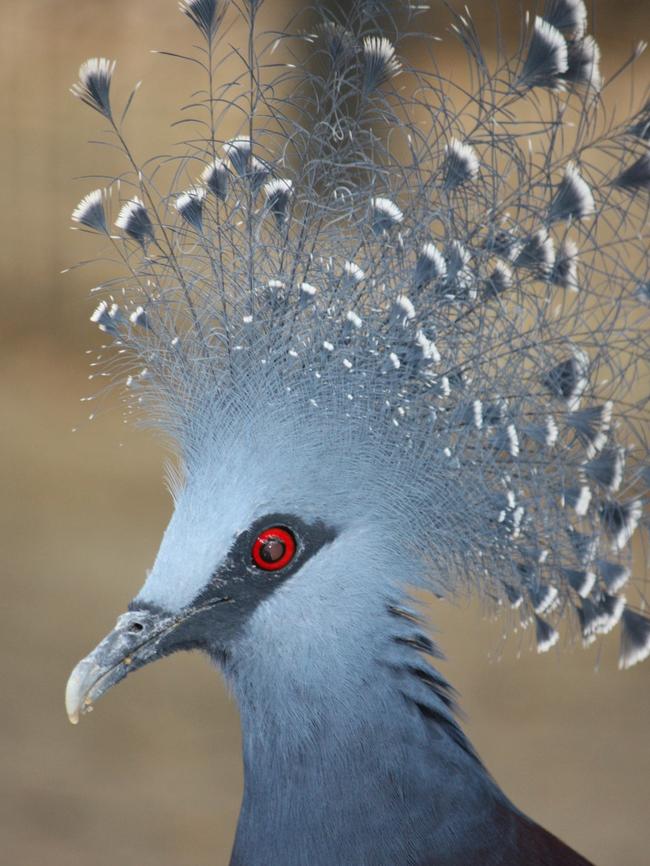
[{"x": 356, "y": 757}]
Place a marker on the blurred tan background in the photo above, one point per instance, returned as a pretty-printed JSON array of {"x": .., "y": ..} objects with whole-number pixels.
[{"x": 154, "y": 775}]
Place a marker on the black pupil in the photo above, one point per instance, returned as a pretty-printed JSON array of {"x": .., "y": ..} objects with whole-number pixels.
[{"x": 272, "y": 550}]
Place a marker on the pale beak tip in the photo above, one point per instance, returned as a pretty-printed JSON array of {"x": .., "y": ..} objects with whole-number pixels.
[
  {"x": 76, "y": 691},
  {"x": 72, "y": 700}
]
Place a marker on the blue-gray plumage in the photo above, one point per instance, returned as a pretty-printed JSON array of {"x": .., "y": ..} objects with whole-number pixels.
[{"x": 396, "y": 344}]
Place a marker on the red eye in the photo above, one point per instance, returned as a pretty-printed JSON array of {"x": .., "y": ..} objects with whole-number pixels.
[{"x": 274, "y": 548}]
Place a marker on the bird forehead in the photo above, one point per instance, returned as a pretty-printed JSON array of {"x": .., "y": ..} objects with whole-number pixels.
[
  {"x": 223, "y": 496},
  {"x": 197, "y": 539}
]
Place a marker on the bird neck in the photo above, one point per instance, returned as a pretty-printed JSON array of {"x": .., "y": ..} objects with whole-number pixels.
[{"x": 353, "y": 756}]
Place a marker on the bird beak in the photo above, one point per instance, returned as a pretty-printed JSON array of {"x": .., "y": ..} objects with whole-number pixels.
[
  {"x": 136, "y": 640},
  {"x": 140, "y": 636}
]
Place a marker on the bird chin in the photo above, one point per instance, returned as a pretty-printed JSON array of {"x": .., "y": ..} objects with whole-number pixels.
[{"x": 140, "y": 637}]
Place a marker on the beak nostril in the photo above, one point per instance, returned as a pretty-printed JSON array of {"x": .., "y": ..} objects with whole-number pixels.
[{"x": 136, "y": 627}]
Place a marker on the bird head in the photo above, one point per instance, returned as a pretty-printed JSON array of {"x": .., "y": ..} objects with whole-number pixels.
[
  {"x": 271, "y": 499},
  {"x": 420, "y": 411}
]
